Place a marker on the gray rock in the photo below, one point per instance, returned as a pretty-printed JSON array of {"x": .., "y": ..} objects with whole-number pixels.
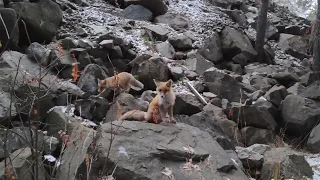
[
  {"x": 153, "y": 68},
  {"x": 165, "y": 49},
  {"x": 312, "y": 91},
  {"x": 263, "y": 105},
  {"x": 250, "y": 115},
  {"x": 289, "y": 163},
  {"x": 262, "y": 83},
  {"x": 157, "y": 7},
  {"x": 180, "y": 42},
  {"x": 170, "y": 150},
  {"x": 93, "y": 108},
  {"x": 69, "y": 43},
  {"x": 296, "y": 46},
  {"x": 19, "y": 165},
  {"x": 198, "y": 64},
  {"x": 50, "y": 144},
  {"x": 108, "y": 44},
  {"x": 187, "y": 104},
  {"x": 88, "y": 80},
  {"x": 309, "y": 78},
  {"x": 212, "y": 49},
  {"x": 300, "y": 115},
  {"x": 235, "y": 42},
  {"x": 313, "y": 143},
  {"x": 84, "y": 60},
  {"x": 223, "y": 85},
  {"x": 9, "y": 17},
  {"x": 176, "y": 70},
  {"x": 158, "y": 33},
  {"x": 81, "y": 32},
  {"x": 43, "y": 27},
  {"x": 252, "y": 135},
  {"x": 176, "y": 21},
  {"x": 286, "y": 79},
  {"x": 296, "y": 89},
  {"x": 250, "y": 159},
  {"x": 38, "y": 53},
  {"x": 227, "y": 4},
  {"x": 276, "y": 94},
  {"x": 137, "y": 12}
]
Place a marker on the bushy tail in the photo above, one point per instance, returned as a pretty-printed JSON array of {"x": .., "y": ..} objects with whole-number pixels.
[
  {"x": 137, "y": 115},
  {"x": 136, "y": 85}
]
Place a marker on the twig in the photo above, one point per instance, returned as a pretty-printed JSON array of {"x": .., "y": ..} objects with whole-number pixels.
[{"x": 196, "y": 93}]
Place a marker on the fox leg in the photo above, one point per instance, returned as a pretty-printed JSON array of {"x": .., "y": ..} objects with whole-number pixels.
[
  {"x": 170, "y": 112},
  {"x": 163, "y": 114}
]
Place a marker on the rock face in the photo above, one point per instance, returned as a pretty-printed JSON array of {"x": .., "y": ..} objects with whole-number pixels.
[
  {"x": 299, "y": 114},
  {"x": 9, "y": 17},
  {"x": 160, "y": 148},
  {"x": 212, "y": 49},
  {"x": 157, "y": 7},
  {"x": 40, "y": 27}
]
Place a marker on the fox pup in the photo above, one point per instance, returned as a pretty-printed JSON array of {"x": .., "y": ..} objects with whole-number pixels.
[
  {"x": 125, "y": 82},
  {"x": 163, "y": 102}
]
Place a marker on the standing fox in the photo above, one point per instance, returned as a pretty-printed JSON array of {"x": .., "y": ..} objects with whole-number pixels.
[
  {"x": 124, "y": 80},
  {"x": 162, "y": 103}
]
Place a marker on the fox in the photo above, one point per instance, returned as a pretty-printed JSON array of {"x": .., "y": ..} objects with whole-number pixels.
[
  {"x": 163, "y": 102},
  {"x": 126, "y": 81}
]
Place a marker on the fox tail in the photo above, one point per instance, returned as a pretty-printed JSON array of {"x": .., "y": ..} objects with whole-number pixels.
[
  {"x": 136, "y": 85},
  {"x": 133, "y": 115}
]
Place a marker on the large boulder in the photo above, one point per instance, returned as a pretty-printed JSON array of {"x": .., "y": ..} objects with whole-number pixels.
[
  {"x": 212, "y": 49},
  {"x": 223, "y": 85},
  {"x": 296, "y": 46},
  {"x": 9, "y": 17},
  {"x": 176, "y": 21},
  {"x": 300, "y": 115},
  {"x": 235, "y": 42},
  {"x": 160, "y": 151},
  {"x": 157, "y": 7},
  {"x": 42, "y": 19},
  {"x": 137, "y": 12}
]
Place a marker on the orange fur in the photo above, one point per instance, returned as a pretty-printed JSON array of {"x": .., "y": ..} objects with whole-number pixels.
[
  {"x": 163, "y": 102},
  {"x": 124, "y": 80}
]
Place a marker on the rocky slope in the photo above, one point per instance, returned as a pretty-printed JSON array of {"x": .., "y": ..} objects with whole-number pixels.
[{"x": 257, "y": 111}]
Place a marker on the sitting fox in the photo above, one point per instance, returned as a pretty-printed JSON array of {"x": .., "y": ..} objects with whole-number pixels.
[
  {"x": 163, "y": 102},
  {"x": 124, "y": 80}
]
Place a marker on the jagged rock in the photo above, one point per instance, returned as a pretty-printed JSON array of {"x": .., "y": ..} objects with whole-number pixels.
[
  {"x": 117, "y": 3},
  {"x": 85, "y": 43},
  {"x": 38, "y": 53},
  {"x": 21, "y": 164},
  {"x": 80, "y": 139},
  {"x": 158, "y": 33},
  {"x": 165, "y": 49},
  {"x": 17, "y": 138},
  {"x": 81, "y": 32},
  {"x": 170, "y": 151},
  {"x": 148, "y": 95},
  {"x": 287, "y": 162},
  {"x": 176, "y": 21},
  {"x": 249, "y": 115},
  {"x": 312, "y": 91},
  {"x": 223, "y": 85},
  {"x": 44, "y": 26},
  {"x": 88, "y": 80},
  {"x": 108, "y": 44},
  {"x": 262, "y": 83},
  {"x": 276, "y": 94},
  {"x": 93, "y": 108},
  {"x": 116, "y": 53},
  {"x": 250, "y": 159},
  {"x": 176, "y": 71},
  {"x": 9, "y": 17},
  {"x": 50, "y": 144},
  {"x": 299, "y": 114},
  {"x": 153, "y": 68},
  {"x": 237, "y": 16},
  {"x": 187, "y": 104},
  {"x": 256, "y": 95},
  {"x": 236, "y": 68},
  {"x": 137, "y": 12},
  {"x": 180, "y": 55},
  {"x": 263, "y": 104},
  {"x": 259, "y": 148},
  {"x": 235, "y": 42},
  {"x": 296, "y": 46},
  {"x": 180, "y": 42},
  {"x": 126, "y": 102},
  {"x": 198, "y": 64},
  {"x": 309, "y": 78},
  {"x": 157, "y": 7},
  {"x": 84, "y": 60},
  {"x": 227, "y": 4},
  {"x": 111, "y": 36},
  {"x": 68, "y": 43},
  {"x": 212, "y": 49},
  {"x": 296, "y": 89},
  {"x": 285, "y": 78},
  {"x": 313, "y": 143},
  {"x": 252, "y": 135}
]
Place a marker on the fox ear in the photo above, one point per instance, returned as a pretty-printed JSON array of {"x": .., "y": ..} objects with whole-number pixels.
[
  {"x": 156, "y": 82},
  {"x": 98, "y": 80},
  {"x": 169, "y": 83}
]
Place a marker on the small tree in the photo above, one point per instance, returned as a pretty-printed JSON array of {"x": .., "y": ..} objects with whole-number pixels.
[{"x": 261, "y": 29}]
